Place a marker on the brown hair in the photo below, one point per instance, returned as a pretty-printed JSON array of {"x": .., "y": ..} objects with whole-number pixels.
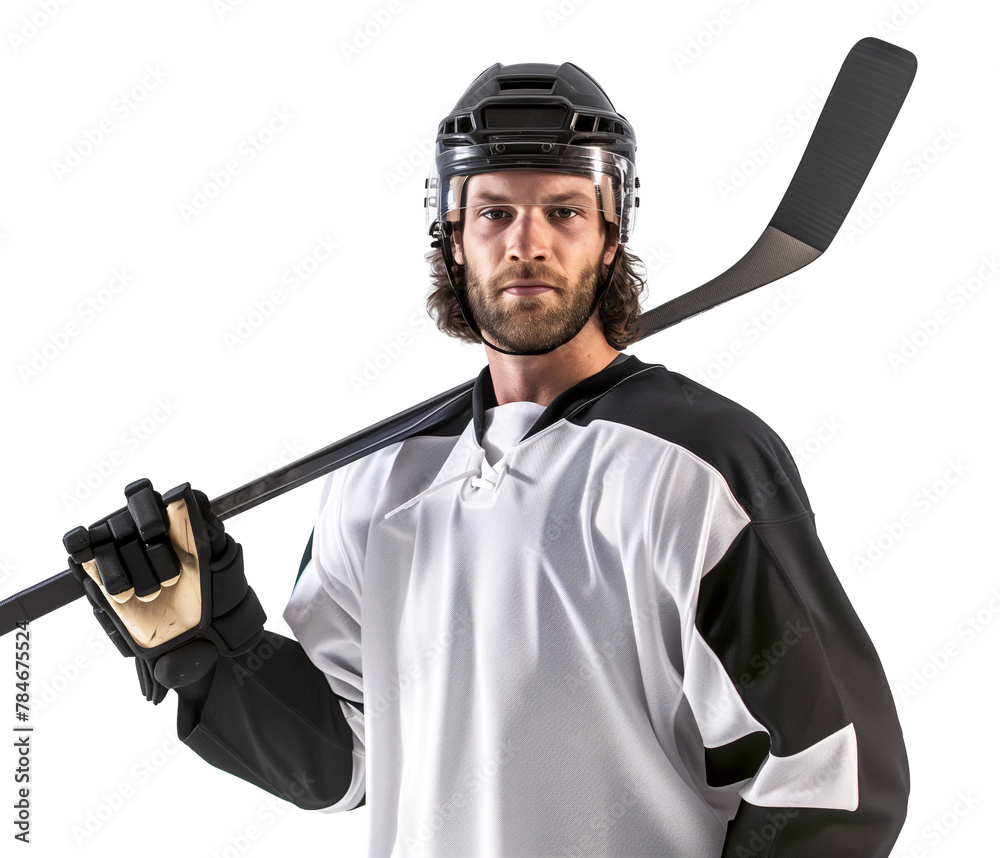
[{"x": 618, "y": 309}]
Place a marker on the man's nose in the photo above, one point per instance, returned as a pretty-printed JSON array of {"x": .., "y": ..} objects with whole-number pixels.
[{"x": 528, "y": 237}]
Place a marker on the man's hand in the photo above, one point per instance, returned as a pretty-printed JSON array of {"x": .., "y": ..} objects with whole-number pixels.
[{"x": 167, "y": 585}]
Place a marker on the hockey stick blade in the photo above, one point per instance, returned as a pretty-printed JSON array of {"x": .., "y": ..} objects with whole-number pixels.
[
  {"x": 854, "y": 123},
  {"x": 861, "y": 108}
]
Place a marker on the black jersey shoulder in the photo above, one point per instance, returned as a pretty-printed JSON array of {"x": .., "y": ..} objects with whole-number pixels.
[{"x": 751, "y": 457}]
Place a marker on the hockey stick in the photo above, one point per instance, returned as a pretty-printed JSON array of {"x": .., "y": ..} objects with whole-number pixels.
[{"x": 859, "y": 112}]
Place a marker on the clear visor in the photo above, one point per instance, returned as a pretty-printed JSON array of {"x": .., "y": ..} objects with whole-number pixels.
[{"x": 613, "y": 176}]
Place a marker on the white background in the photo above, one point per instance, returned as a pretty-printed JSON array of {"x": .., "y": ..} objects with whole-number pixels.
[{"x": 150, "y": 387}]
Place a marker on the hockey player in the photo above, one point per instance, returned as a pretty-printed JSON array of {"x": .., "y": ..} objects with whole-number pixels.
[{"x": 586, "y": 613}]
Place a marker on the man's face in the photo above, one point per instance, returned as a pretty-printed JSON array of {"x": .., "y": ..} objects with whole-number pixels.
[{"x": 533, "y": 246}]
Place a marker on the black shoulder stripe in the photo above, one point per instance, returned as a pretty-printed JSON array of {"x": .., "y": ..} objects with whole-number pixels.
[
  {"x": 777, "y": 625},
  {"x": 752, "y": 459}
]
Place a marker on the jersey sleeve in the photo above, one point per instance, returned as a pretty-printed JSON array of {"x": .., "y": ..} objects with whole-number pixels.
[
  {"x": 792, "y": 702},
  {"x": 270, "y": 718}
]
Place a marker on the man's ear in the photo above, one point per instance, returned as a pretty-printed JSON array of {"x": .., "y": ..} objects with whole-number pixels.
[
  {"x": 610, "y": 243},
  {"x": 456, "y": 246}
]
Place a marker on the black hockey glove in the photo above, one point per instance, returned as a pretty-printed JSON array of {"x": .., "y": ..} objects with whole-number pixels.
[{"x": 167, "y": 585}]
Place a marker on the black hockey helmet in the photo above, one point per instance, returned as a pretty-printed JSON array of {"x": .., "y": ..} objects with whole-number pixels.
[{"x": 536, "y": 116}]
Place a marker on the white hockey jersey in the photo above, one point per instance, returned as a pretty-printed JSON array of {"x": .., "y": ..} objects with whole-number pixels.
[{"x": 617, "y": 635}]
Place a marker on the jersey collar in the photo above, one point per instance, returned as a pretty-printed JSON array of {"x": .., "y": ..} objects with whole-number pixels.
[{"x": 567, "y": 404}]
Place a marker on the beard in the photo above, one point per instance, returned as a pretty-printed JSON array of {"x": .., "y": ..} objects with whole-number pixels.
[{"x": 532, "y": 324}]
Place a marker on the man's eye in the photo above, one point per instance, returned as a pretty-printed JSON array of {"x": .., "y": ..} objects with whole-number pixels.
[
  {"x": 564, "y": 213},
  {"x": 493, "y": 214}
]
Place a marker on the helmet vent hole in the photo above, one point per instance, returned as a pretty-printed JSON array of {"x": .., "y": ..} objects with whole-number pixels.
[
  {"x": 457, "y": 125},
  {"x": 584, "y": 122},
  {"x": 536, "y": 83}
]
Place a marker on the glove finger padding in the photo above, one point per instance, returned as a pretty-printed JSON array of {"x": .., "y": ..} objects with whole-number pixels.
[
  {"x": 175, "y": 612},
  {"x": 167, "y": 585}
]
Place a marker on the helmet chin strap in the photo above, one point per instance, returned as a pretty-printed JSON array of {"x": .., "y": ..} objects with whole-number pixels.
[{"x": 443, "y": 242}]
